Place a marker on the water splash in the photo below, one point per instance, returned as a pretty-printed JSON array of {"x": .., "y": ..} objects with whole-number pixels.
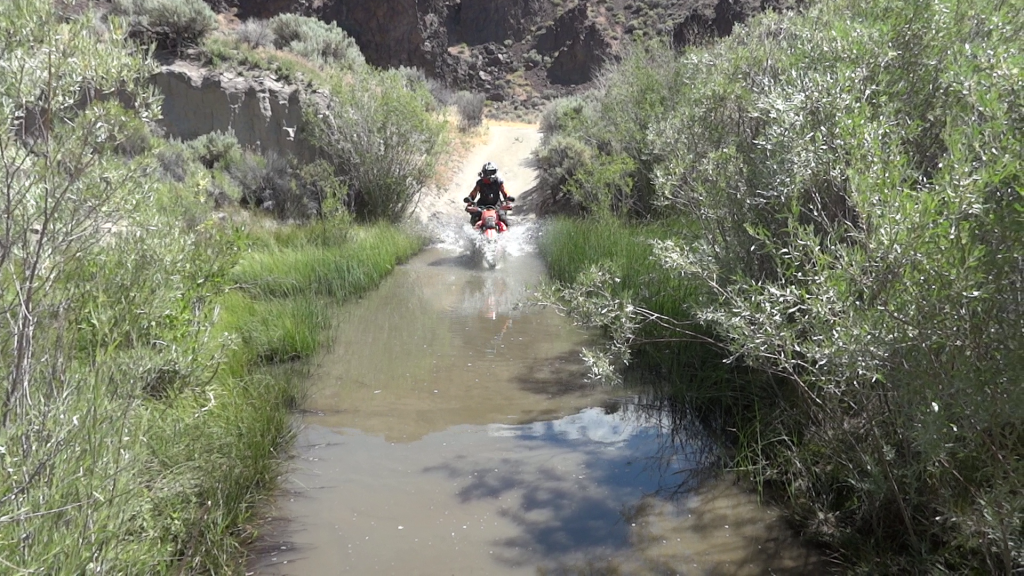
[{"x": 453, "y": 232}]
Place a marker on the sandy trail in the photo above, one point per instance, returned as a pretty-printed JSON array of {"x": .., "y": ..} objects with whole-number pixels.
[{"x": 507, "y": 145}]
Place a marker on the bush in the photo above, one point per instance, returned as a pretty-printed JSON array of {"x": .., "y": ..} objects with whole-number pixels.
[
  {"x": 319, "y": 182},
  {"x": 216, "y": 150},
  {"x": 382, "y": 140},
  {"x": 267, "y": 183},
  {"x": 855, "y": 179},
  {"x": 471, "y": 109},
  {"x": 134, "y": 140},
  {"x": 632, "y": 97},
  {"x": 415, "y": 78},
  {"x": 174, "y": 25},
  {"x": 222, "y": 191},
  {"x": 442, "y": 94},
  {"x": 565, "y": 115},
  {"x": 559, "y": 159},
  {"x": 175, "y": 161},
  {"x": 257, "y": 33},
  {"x": 315, "y": 40},
  {"x": 139, "y": 431}
]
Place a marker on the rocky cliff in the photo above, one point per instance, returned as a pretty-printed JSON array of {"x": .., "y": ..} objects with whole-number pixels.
[
  {"x": 262, "y": 113},
  {"x": 518, "y": 53}
]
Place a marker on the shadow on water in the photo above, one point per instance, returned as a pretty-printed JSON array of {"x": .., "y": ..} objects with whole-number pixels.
[
  {"x": 621, "y": 454},
  {"x": 561, "y": 376}
]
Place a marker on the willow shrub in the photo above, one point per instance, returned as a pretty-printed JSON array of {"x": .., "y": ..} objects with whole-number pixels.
[
  {"x": 379, "y": 135},
  {"x": 855, "y": 176},
  {"x": 141, "y": 420},
  {"x": 595, "y": 147}
]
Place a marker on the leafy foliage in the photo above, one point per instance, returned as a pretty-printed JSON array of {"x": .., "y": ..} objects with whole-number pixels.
[
  {"x": 174, "y": 25},
  {"x": 382, "y": 140},
  {"x": 851, "y": 182},
  {"x": 315, "y": 40},
  {"x": 140, "y": 425},
  {"x": 604, "y": 134}
]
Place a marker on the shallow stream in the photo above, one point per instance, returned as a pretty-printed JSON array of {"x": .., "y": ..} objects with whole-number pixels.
[{"x": 451, "y": 430}]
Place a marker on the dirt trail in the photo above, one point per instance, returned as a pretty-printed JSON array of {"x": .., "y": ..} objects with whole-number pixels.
[{"x": 507, "y": 145}]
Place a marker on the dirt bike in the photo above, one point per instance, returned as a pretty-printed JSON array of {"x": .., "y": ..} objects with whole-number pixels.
[{"x": 490, "y": 227}]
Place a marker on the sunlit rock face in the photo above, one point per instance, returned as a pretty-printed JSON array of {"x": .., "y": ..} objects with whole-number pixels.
[
  {"x": 262, "y": 113},
  {"x": 393, "y": 32},
  {"x": 578, "y": 47}
]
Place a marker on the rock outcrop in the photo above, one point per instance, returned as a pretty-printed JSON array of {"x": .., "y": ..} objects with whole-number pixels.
[
  {"x": 393, "y": 32},
  {"x": 716, "y": 19},
  {"x": 516, "y": 52},
  {"x": 577, "y": 46},
  {"x": 262, "y": 113},
  {"x": 475, "y": 22}
]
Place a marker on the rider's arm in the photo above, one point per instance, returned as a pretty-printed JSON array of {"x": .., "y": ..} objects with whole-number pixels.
[{"x": 474, "y": 193}]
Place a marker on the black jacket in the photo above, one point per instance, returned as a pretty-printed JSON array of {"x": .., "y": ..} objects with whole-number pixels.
[{"x": 490, "y": 193}]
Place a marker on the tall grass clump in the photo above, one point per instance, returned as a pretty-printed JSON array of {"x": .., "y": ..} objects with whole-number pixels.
[
  {"x": 605, "y": 274},
  {"x": 331, "y": 270},
  {"x": 853, "y": 180},
  {"x": 142, "y": 406}
]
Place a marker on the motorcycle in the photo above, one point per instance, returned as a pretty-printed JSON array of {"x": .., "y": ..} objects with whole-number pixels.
[{"x": 490, "y": 228}]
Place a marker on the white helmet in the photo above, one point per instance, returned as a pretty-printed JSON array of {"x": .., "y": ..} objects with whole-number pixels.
[{"x": 488, "y": 170}]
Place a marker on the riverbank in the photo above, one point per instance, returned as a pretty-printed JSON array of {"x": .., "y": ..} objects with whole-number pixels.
[
  {"x": 162, "y": 297},
  {"x": 159, "y": 460},
  {"x": 841, "y": 187}
]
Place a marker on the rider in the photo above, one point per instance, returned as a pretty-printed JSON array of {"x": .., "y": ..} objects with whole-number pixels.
[{"x": 491, "y": 190}]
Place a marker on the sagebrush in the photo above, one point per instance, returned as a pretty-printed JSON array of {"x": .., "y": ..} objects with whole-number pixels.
[{"x": 850, "y": 179}]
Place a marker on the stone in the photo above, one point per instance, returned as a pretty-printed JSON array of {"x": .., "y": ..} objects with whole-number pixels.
[{"x": 263, "y": 113}]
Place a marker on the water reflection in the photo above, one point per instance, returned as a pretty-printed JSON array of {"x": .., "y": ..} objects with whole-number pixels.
[
  {"x": 605, "y": 490},
  {"x": 452, "y": 432},
  {"x": 591, "y": 470},
  {"x": 438, "y": 346}
]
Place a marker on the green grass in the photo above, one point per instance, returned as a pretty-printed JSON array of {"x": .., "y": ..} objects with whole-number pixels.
[
  {"x": 287, "y": 287},
  {"x": 572, "y": 247},
  {"x": 679, "y": 352},
  {"x": 159, "y": 460},
  {"x": 306, "y": 265}
]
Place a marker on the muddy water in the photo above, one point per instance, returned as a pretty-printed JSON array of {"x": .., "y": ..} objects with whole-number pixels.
[{"x": 451, "y": 431}]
